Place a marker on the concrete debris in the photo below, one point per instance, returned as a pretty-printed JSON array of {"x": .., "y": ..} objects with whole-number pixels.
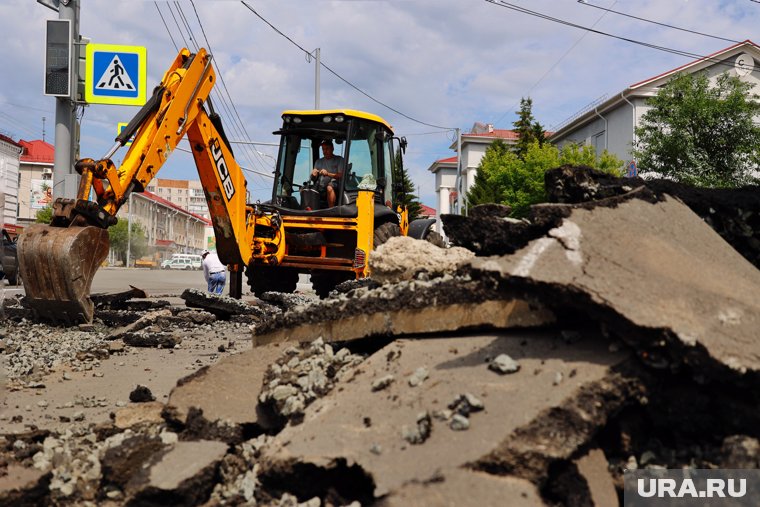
[
  {"x": 286, "y": 302},
  {"x": 420, "y": 431},
  {"x": 141, "y": 394},
  {"x": 667, "y": 259},
  {"x": 302, "y": 375},
  {"x": 419, "y": 376},
  {"x": 401, "y": 258},
  {"x": 181, "y": 475},
  {"x": 224, "y": 307},
  {"x": 611, "y": 329},
  {"x": 503, "y": 364},
  {"x": 117, "y": 300},
  {"x": 382, "y": 382}
]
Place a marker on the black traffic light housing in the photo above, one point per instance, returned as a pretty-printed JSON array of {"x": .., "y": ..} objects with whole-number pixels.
[{"x": 58, "y": 58}]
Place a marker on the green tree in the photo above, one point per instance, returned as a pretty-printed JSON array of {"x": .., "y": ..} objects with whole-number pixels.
[
  {"x": 138, "y": 244},
  {"x": 700, "y": 134},
  {"x": 527, "y": 128},
  {"x": 573, "y": 154},
  {"x": 407, "y": 196},
  {"x": 44, "y": 215},
  {"x": 484, "y": 189},
  {"x": 505, "y": 178}
]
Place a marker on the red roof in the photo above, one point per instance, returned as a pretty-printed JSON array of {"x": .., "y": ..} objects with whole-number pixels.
[
  {"x": 427, "y": 211},
  {"x": 161, "y": 200},
  {"x": 450, "y": 160},
  {"x": 500, "y": 133},
  {"x": 37, "y": 151}
]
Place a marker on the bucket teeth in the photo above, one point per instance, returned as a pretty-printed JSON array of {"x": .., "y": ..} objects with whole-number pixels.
[{"x": 57, "y": 266}]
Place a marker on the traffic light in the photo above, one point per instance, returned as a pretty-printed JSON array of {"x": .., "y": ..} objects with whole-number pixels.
[{"x": 58, "y": 58}]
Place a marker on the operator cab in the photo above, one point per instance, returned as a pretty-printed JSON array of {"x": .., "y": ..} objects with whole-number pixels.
[{"x": 365, "y": 144}]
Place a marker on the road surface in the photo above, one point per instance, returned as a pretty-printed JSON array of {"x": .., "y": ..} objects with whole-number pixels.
[{"x": 156, "y": 282}]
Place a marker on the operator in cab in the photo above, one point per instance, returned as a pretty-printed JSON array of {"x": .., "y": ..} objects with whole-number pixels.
[{"x": 327, "y": 172}]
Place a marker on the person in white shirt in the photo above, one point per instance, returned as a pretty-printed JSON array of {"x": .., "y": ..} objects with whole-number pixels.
[{"x": 213, "y": 272}]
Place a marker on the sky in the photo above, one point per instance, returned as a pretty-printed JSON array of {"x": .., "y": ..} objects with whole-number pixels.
[{"x": 426, "y": 66}]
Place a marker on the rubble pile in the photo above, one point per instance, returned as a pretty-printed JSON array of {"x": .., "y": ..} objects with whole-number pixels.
[{"x": 612, "y": 329}]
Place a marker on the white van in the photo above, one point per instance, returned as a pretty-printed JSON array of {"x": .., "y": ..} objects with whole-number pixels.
[{"x": 183, "y": 261}]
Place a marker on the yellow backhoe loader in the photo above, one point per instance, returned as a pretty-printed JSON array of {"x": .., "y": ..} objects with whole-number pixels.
[{"x": 273, "y": 242}]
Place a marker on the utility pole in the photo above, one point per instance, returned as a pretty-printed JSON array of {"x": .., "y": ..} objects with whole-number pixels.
[
  {"x": 459, "y": 172},
  {"x": 65, "y": 179}
]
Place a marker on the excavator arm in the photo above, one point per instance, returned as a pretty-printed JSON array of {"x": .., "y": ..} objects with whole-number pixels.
[{"x": 58, "y": 261}]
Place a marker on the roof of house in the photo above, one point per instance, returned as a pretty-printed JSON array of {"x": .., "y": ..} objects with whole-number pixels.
[
  {"x": 444, "y": 162},
  {"x": 496, "y": 134},
  {"x": 7, "y": 139},
  {"x": 427, "y": 211},
  {"x": 37, "y": 151},
  {"x": 709, "y": 59},
  {"x": 153, "y": 197}
]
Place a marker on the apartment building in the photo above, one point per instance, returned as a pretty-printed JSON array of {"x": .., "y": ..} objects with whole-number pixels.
[{"x": 187, "y": 194}]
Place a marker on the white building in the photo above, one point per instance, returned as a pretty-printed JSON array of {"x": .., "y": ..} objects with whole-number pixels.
[
  {"x": 474, "y": 145},
  {"x": 610, "y": 122},
  {"x": 187, "y": 194},
  {"x": 10, "y": 152}
]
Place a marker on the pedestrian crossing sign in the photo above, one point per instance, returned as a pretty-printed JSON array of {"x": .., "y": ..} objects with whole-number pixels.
[{"x": 116, "y": 74}]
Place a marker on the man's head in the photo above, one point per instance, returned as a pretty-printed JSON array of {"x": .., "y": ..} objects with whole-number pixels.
[
  {"x": 204, "y": 254},
  {"x": 327, "y": 148}
]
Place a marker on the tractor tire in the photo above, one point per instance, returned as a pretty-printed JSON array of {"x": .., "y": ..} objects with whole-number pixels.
[
  {"x": 384, "y": 232},
  {"x": 323, "y": 282},
  {"x": 263, "y": 279},
  {"x": 436, "y": 239}
]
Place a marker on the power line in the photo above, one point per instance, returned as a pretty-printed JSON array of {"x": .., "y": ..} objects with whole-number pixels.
[
  {"x": 167, "y": 27},
  {"x": 341, "y": 77},
  {"x": 228, "y": 109},
  {"x": 506, "y": 5},
  {"x": 584, "y": 2},
  {"x": 578, "y": 41},
  {"x": 224, "y": 84}
]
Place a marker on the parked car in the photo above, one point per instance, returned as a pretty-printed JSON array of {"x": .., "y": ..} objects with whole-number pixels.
[
  {"x": 181, "y": 264},
  {"x": 195, "y": 262},
  {"x": 9, "y": 262}
]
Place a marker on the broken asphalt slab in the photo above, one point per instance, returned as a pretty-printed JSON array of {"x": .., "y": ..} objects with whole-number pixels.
[
  {"x": 411, "y": 307},
  {"x": 368, "y": 428},
  {"x": 224, "y": 395},
  {"x": 655, "y": 271}
]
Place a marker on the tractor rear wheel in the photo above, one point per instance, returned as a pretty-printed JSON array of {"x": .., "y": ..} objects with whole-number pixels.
[
  {"x": 323, "y": 282},
  {"x": 263, "y": 279}
]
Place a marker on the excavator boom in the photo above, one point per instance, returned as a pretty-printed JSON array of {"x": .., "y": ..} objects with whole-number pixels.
[{"x": 58, "y": 261}]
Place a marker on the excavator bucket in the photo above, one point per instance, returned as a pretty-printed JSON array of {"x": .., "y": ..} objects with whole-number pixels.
[{"x": 57, "y": 265}]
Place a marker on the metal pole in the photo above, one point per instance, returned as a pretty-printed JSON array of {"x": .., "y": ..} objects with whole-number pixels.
[
  {"x": 129, "y": 230},
  {"x": 316, "y": 79},
  {"x": 65, "y": 119},
  {"x": 459, "y": 172}
]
